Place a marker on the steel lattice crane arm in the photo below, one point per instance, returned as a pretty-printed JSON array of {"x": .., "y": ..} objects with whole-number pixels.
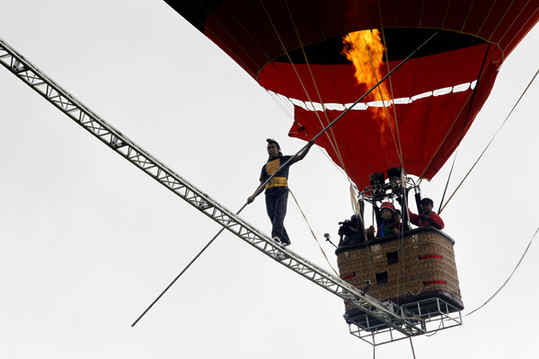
[{"x": 83, "y": 116}]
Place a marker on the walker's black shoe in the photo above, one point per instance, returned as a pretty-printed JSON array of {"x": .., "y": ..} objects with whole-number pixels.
[{"x": 285, "y": 244}]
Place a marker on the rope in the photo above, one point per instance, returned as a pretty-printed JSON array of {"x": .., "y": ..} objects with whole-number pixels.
[
  {"x": 514, "y": 20},
  {"x": 475, "y": 90},
  {"x": 486, "y": 17},
  {"x": 468, "y": 100},
  {"x": 283, "y": 47},
  {"x": 517, "y": 33},
  {"x": 386, "y": 52},
  {"x": 386, "y": 115},
  {"x": 315, "y": 84},
  {"x": 510, "y": 275},
  {"x": 448, "y": 132},
  {"x": 447, "y": 183},
  {"x": 321, "y": 149},
  {"x": 490, "y": 142},
  {"x": 400, "y": 251},
  {"x": 470, "y": 8},
  {"x": 496, "y": 28},
  {"x": 501, "y": 20},
  {"x": 446, "y": 13},
  {"x": 412, "y": 346},
  {"x": 312, "y": 232},
  {"x": 398, "y": 143}
]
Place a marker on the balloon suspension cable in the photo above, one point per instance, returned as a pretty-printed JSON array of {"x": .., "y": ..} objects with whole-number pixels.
[
  {"x": 447, "y": 183},
  {"x": 469, "y": 101},
  {"x": 312, "y": 232},
  {"x": 489, "y": 142},
  {"x": 332, "y": 140},
  {"x": 412, "y": 346},
  {"x": 289, "y": 161},
  {"x": 510, "y": 275},
  {"x": 276, "y": 96}
]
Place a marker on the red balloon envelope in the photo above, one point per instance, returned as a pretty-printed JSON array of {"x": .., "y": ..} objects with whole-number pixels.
[{"x": 293, "y": 48}]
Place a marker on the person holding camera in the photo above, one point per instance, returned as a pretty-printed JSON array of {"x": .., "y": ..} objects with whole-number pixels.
[
  {"x": 426, "y": 217},
  {"x": 351, "y": 231}
]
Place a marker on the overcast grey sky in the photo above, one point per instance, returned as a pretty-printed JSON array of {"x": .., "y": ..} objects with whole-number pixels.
[{"x": 87, "y": 240}]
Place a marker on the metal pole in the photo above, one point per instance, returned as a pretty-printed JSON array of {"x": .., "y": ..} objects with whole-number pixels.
[{"x": 183, "y": 271}]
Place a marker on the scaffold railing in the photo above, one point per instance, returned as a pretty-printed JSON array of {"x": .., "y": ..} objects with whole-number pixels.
[{"x": 433, "y": 314}]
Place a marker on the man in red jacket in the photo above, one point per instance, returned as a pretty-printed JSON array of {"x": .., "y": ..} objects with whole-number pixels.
[{"x": 426, "y": 216}]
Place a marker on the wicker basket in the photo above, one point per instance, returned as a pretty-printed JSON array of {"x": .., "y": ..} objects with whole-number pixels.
[{"x": 416, "y": 266}]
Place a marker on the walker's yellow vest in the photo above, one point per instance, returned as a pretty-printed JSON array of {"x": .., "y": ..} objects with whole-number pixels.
[{"x": 271, "y": 168}]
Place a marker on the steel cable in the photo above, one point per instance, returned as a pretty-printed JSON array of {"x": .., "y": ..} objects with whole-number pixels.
[
  {"x": 312, "y": 232},
  {"x": 509, "y": 277},
  {"x": 490, "y": 141}
]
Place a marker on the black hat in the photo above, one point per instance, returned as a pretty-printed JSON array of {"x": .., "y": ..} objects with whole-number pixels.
[{"x": 272, "y": 141}]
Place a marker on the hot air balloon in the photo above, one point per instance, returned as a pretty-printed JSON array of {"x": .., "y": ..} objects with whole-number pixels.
[
  {"x": 302, "y": 50},
  {"x": 293, "y": 48}
]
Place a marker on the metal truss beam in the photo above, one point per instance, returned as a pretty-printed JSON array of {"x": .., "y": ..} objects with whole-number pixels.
[{"x": 91, "y": 122}]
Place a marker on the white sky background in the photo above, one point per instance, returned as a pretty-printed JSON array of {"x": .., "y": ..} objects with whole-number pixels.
[{"x": 87, "y": 240}]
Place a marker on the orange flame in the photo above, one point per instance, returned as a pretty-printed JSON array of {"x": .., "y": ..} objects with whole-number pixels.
[{"x": 366, "y": 51}]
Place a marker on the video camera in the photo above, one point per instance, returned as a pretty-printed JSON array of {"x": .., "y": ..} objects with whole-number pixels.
[{"x": 351, "y": 230}]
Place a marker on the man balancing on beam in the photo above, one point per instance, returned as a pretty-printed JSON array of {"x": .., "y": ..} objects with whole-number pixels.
[{"x": 277, "y": 188}]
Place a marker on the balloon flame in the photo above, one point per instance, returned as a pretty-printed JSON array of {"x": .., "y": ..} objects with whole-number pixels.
[{"x": 366, "y": 51}]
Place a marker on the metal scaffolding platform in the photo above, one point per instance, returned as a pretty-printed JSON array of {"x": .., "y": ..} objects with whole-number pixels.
[
  {"x": 402, "y": 320},
  {"x": 433, "y": 314}
]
